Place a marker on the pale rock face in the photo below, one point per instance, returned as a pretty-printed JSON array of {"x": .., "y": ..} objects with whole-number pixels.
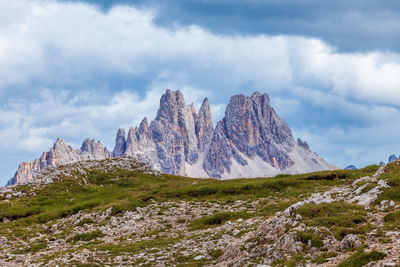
[
  {"x": 120, "y": 144},
  {"x": 203, "y": 125},
  {"x": 173, "y": 133},
  {"x": 171, "y": 140},
  {"x": 251, "y": 127},
  {"x": 250, "y": 141},
  {"x": 303, "y": 144},
  {"x": 61, "y": 153},
  {"x": 91, "y": 149}
]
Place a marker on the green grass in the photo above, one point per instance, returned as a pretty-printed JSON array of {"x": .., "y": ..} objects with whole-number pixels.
[
  {"x": 87, "y": 236},
  {"x": 136, "y": 246},
  {"x": 307, "y": 236},
  {"x": 341, "y": 218},
  {"x": 267, "y": 209},
  {"x": 32, "y": 249},
  {"x": 85, "y": 221},
  {"x": 218, "y": 218},
  {"x": 392, "y": 220},
  {"x": 361, "y": 258},
  {"x": 323, "y": 257},
  {"x": 297, "y": 260},
  {"x": 392, "y": 175},
  {"x": 126, "y": 190}
]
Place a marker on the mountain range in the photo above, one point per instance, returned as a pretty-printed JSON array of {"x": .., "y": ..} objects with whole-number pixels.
[{"x": 250, "y": 141}]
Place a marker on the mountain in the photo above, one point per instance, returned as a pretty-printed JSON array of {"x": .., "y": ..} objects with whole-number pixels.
[
  {"x": 250, "y": 141},
  {"x": 351, "y": 167},
  {"x": 392, "y": 158},
  {"x": 61, "y": 153}
]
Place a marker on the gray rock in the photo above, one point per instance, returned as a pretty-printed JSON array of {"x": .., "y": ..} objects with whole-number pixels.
[
  {"x": 200, "y": 257},
  {"x": 250, "y": 141},
  {"x": 3, "y": 241},
  {"x": 349, "y": 241},
  {"x": 392, "y": 158},
  {"x": 61, "y": 153},
  {"x": 231, "y": 252},
  {"x": 303, "y": 144},
  {"x": 120, "y": 143}
]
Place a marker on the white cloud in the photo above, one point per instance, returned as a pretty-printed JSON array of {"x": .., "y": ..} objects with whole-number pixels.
[
  {"x": 48, "y": 44},
  {"x": 51, "y": 41},
  {"x": 33, "y": 127}
]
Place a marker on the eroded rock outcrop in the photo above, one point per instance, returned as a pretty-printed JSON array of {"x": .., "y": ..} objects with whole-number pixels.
[
  {"x": 174, "y": 139},
  {"x": 120, "y": 144},
  {"x": 61, "y": 153},
  {"x": 250, "y": 141}
]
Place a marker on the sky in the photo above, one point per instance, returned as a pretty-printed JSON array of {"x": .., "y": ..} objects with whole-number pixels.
[{"x": 78, "y": 69}]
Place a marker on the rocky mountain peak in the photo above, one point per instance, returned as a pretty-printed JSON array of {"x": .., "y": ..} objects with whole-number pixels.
[
  {"x": 88, "y": 145},
  {"x": 303, "y": 144},
  {"x": 252, "y": 124},
  {"x": 120, "y": 143},
  {"x": 392, "y": 158},
  {"x": 94, "y": 150},
  {"x": 252, "y": 129},
  {"x": 250, "y": 141},
  {"x": 256, "y": 96},
  {"x": 59, "y": 143},
  {"x": 252, "y": 135},
  {"x": 170, "y": 103},
  {"x": 61, "y": 153},
  {"x": 144, "y": 126},
  {"x": 203, "y": 125}
]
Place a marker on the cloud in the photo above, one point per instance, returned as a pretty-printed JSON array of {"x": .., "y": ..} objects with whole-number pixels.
[
  {"x": 73, "y": 70},
  {"x": 358, "y": 25},
  {"x": 33, "y": 127},
  {"x": 74, "y": 44}
]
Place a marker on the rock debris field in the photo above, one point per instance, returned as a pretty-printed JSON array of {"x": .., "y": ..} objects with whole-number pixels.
[{"x": 324, "y": 228}]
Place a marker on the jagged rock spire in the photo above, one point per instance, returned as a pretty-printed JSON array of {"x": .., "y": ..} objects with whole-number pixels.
[
  {"x": 250, "y": 141},
  {"x": 144, "y": 126},
  {"x": 120, "y": 143},
  {"x": 61, "y": 153},
  {"x": 204, "y": 126}
]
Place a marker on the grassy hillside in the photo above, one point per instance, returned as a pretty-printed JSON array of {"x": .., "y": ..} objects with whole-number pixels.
[
  {"x": 183, "y": 210},
  {"x": 127, "y": 189}
]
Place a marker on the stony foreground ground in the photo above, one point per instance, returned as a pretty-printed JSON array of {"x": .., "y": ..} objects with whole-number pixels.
[{"x": 342, "y": 225}]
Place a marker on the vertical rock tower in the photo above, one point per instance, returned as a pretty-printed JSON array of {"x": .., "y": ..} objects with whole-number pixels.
[
  {"x": 250, "y": 141},
  {"x": 61, "y": 153}
]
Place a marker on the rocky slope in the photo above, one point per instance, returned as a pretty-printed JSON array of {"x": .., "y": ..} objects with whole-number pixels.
[
  {"x": 250, "y": 141},
  {"x": 338, "y": 218}
]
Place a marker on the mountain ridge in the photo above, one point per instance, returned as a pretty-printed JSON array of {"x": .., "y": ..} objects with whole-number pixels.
[
  {"x": 250, "y": 141},
  {"x": 60, "y": 153}
]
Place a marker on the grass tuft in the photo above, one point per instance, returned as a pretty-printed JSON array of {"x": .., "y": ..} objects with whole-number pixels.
[
  {"x": 361, "y": 258},
  {"x": 218, "y": 218},
  {"x": 87, "y": 236}
]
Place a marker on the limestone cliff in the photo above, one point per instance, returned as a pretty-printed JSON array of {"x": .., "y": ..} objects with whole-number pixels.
[
  {"x": 61, "y": 153},
  {"x": 250, "y": 141}
]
